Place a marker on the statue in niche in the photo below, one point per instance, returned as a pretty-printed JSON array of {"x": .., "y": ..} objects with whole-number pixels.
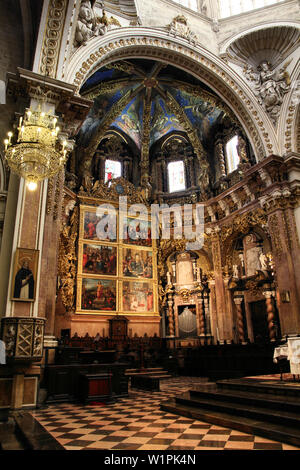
[
  {"x": 184, "y": 269},
  {"x": 235, "y": 271},
  {"x": 88, "y": 24},
  {"x": 242, "y": 262},
  {"x": 252, "y": 253},
  {"x": 204, "y": 179},
  {"x": 242, "y": 151},
  {"x": 263, "y": 259},
  {"x": 270, "y": 86}
]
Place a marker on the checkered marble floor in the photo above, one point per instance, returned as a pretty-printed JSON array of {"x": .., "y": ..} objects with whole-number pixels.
[{"x": 137, "y": 423}]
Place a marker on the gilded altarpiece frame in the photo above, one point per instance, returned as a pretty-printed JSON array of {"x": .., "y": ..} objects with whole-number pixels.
[{"x": 116, "y": 275}]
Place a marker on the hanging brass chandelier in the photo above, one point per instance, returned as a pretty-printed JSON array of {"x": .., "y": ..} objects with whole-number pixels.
[{"x": 37, "y": 153}]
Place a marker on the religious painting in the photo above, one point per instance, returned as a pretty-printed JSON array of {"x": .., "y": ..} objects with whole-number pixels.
[
  {"x": 99, "y": 259},
  {"x": 99, "y": 225},
  {"x": 138, "y": 296},
  {"x": 137, "y": 263},
  {"x": 136, "y": 231},
  {"x": 25, "y": 275},
  {"x": 98, "y": 294}
]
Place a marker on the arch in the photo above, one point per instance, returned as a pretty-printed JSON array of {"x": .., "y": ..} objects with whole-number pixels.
[
  {"x": 126, "y": 43},
  {"x": 288, "y": 123}
]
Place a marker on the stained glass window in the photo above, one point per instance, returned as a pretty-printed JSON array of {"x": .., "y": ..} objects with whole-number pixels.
[
  {"x": 232, "y": 156},
  {"x": 176, "y": 176},
  {"x": 113, "y": 169}
]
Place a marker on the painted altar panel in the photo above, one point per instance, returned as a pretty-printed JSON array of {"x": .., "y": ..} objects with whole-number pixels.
[{"x": 115, "y": 274}]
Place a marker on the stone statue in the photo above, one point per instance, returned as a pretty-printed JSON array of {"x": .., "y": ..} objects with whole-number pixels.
[
  {"x": 235, "y": 270},
  {"x": 169, "y": 278},
  {"x": 270, "y": 86},
  {"x": 242, "y": 150},
  {"x": 88, "y": 24},
  {"x": 263, "y": 259}
]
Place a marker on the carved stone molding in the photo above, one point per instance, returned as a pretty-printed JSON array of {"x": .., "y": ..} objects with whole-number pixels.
[{"x": 52, "y": 37}]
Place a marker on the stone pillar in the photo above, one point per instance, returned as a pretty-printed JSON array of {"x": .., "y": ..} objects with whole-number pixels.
[
  {"x": 207, "y": 316},
  {"x": 270, "y": 314},
  {"x": 223, "y": 327},
  {"x": 286, "y": 257},
  {"x": 240, "y": 322}
]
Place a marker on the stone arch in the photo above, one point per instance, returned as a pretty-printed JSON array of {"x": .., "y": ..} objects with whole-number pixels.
[
  {"x": 158, "y": 45},
  {"x": 288, "y": 131}
]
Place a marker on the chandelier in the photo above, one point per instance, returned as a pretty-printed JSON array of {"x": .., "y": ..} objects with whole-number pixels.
[{"x": 37, "y": 153}]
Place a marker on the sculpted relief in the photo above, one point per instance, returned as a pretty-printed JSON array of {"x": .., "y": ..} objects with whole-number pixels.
[
  {"x": 89, "y": 24},
  {"x": 270, "y": 86}
]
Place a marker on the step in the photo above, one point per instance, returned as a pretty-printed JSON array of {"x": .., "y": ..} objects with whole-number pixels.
[
  {"x": 289, "y": 404},
  {"x": 276, "y": 432},
  {"x": 259, "y": 386},
  {"x": 33, "y": 434},
  {"x": 259, "y": 414}
]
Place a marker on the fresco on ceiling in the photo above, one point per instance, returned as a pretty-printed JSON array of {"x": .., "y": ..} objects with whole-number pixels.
[
  {"x": 203, "y": 115},
  {"x": 130, "y": 120},
  {"x": 162, "y": 120},
  {"x": 102, "y": 105}
]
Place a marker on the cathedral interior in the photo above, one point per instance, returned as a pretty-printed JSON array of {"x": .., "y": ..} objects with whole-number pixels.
[{"x": 149, "y": 224}]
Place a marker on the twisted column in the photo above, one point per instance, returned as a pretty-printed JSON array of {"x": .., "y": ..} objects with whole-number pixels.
[
  {"x": 200, "y": 316},
  {"x": 270, "y": 315},
  {"x": 240, "y": 321},
  {"x": 170, "y": 315}
]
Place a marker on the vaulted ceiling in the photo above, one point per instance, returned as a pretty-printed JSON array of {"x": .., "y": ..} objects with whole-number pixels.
[{"x": 129, "y": 94}]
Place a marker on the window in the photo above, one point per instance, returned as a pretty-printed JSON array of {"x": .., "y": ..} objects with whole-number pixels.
[
  {"x": 192, "y": 4},
  {"x": 176, "y": 176},
  {"x": 232, "y": 156},
  {"x": 113, "y": 170},
  {"x": 234, "y": 7}
]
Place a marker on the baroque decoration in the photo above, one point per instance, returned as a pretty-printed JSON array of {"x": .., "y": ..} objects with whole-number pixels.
[
  {"x": 90, "y": 25},
  {"x": 270, "y": 86}
]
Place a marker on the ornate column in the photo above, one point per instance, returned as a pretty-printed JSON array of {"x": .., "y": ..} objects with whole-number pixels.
[
  {"x": 270, "y": 313},
  {"x": 170, "y": 315},
  {"x": 238, "y": 299},
  {"x": 286, "y": 256},
  {"x": 207, "y": 325},
  {"x": 220, "y": 157},
  {"x": 223, "y": 329}
]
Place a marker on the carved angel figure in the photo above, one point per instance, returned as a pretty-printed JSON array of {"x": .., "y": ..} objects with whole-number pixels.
[
  {"x": 270, "y": 85},
  {"x": 88, "y": 25}
]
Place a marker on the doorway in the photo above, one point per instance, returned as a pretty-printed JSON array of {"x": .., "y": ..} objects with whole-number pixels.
[{"x": 259, "y": 321}]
